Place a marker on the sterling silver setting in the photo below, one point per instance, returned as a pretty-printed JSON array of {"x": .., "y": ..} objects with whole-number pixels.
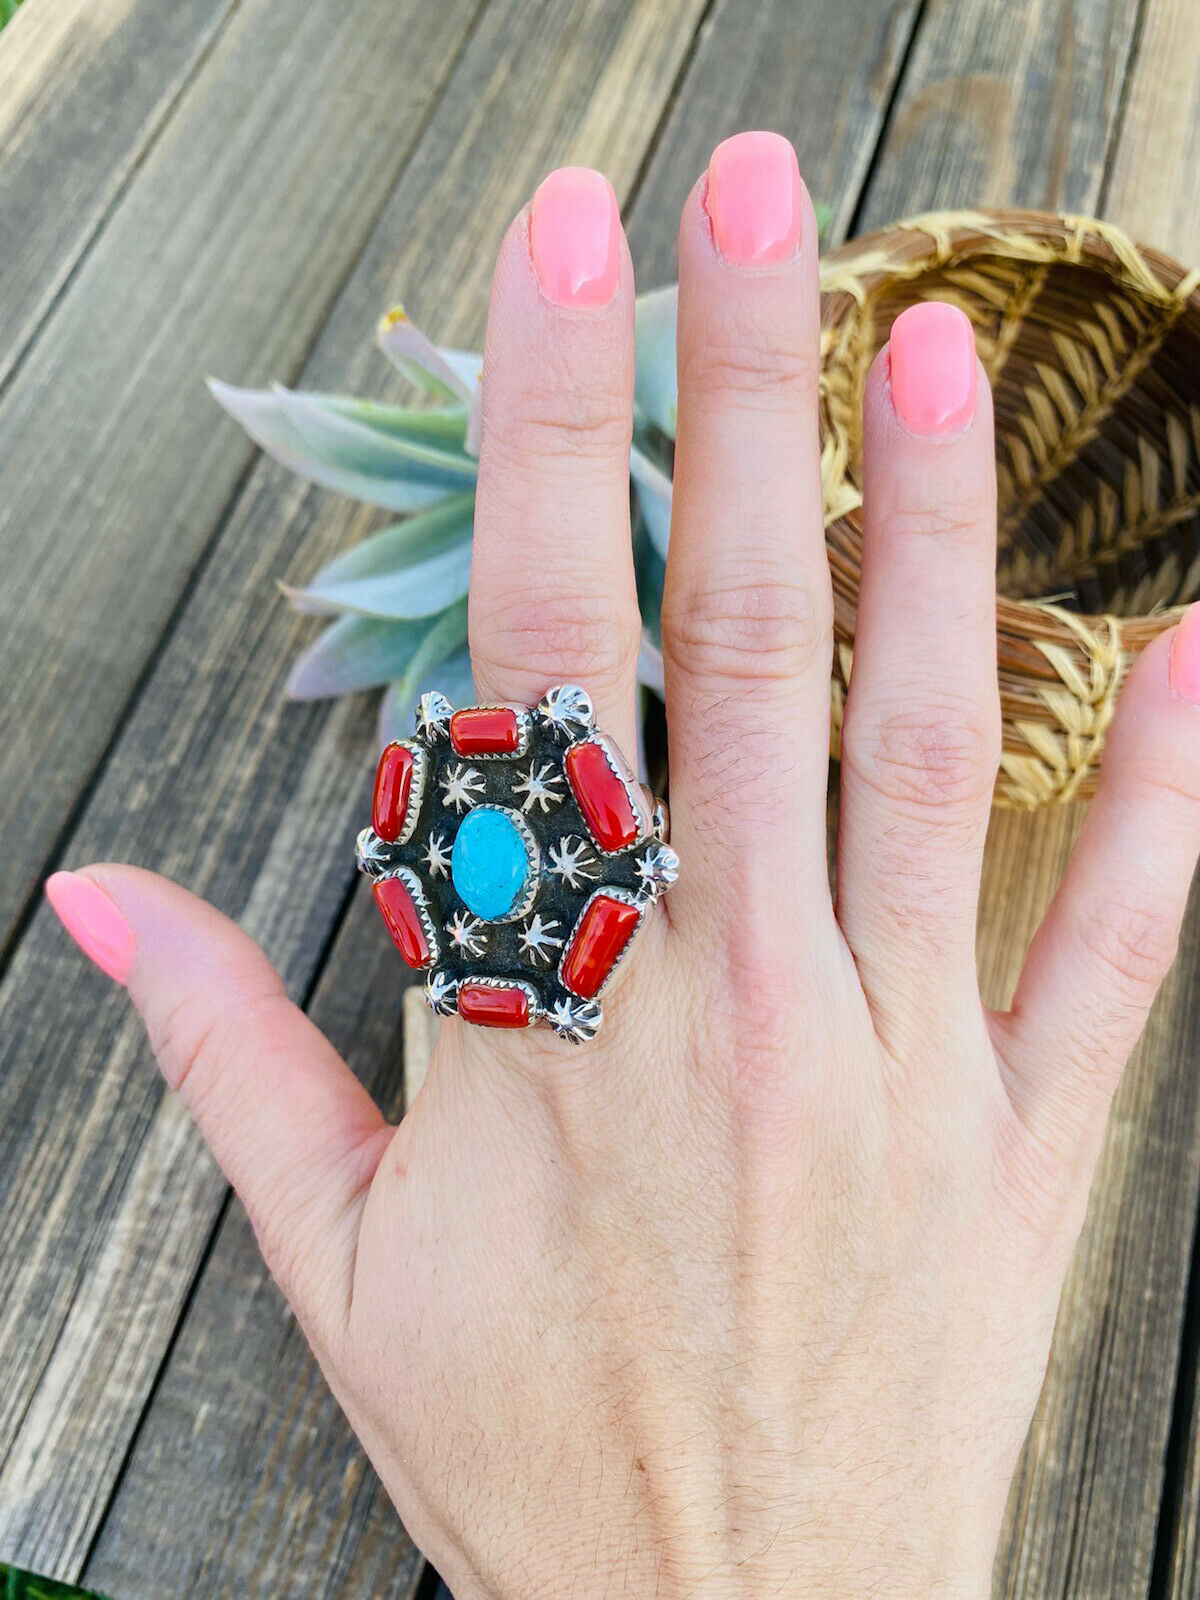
[{"x": 596, "y": 848}]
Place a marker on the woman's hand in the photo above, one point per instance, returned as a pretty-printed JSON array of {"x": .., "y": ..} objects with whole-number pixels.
[{"x": 754, "y": 1295}]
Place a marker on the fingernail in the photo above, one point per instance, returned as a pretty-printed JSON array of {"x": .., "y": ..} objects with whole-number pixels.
[
  {"x": 1184, "y": 670},
  {"x": 932, "y": 368},
  {"x": 754, "y": 199},
  {"x": 93, "y": 921},
  {"x": 575, "y": 238}
]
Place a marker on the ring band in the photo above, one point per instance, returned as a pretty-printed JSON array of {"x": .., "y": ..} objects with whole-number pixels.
[{"x": 513, "y": 858}]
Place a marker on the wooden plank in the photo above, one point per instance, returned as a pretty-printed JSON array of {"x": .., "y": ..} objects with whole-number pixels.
[
  {"x": 247, "y": 1481},
  {"x": 821, "y": 74},
  {"x": 237, "y": 1469},
  {"x": 1156, "y": 166},
  {"x": 981, "y": 121},
  {"x": 1004, "y": 105},
  {"x": 115, "y": 464},
  {"x": 263, "y": 801},
  {"x": 84, "y": 87}
]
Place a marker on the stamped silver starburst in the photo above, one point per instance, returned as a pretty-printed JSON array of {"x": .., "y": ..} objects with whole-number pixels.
[
  {"x": 441, "y": 993},
  {"x": 371, "y": 854},
  {"x": 541, "y": 786},
  {"x": 433, "y": 717},
  {"x": 567, "y": 711},
  {"x": 576, "y": 1020},
  {"x": 537, "y": 939},
  {"x": 657, "y": 869},
  {"x": 467, "y": 934},
  {"x": 462, "y": 786},
  {"x": 574, "y": 861},
  {"x": 436, "y": 856}
]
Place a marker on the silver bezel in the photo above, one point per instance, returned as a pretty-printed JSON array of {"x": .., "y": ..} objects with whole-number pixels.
[
  {"x": 524, "y": 725},
  {"x": 535, "y": 1005},
  {"x": 533, "y": 854},
  {"x": 625, "y": 898},
  {"x": 413, "y": 884},
  {"x": 639, "y": 799},
  {"x": 416, "y": 788}
]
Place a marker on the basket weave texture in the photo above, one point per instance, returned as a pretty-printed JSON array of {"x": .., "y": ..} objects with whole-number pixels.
[{"x": 1092, "y": 345}]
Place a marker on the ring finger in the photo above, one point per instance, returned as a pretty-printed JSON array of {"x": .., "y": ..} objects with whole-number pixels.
[{"x": 552, "y": 584}]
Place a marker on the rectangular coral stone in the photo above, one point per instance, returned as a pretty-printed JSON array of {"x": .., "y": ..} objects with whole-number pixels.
[
  {"x": 602, "y": 796},
  {"x": 393, "y": 785},
  {"x": 399, "y": 911},
  {"x": 493, "y": 1006},
  {"x": 485, "y": 731},
  {"x": 606, "y": 927}
]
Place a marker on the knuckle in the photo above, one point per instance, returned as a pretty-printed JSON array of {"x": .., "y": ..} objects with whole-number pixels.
[
  {"x": 1134, "y": 942},
  {"x": 743, "y": 631},
  {"x": 943, "y": 757},
  {"x": 752, "y": 361},
  {"x": 561, "y": 409},
  {"x": 543, "y": 632},
  {"x": 955, "y": 520}
]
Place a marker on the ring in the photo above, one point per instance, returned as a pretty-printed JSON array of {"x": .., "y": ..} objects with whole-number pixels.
[{"x": 513, "y": 858}]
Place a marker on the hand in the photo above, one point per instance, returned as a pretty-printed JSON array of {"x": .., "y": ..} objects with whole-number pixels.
[{"x": 754, "y": 1295}]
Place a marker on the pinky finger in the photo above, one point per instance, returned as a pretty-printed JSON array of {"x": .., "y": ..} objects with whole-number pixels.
[{"x": 1111, "y": 933}]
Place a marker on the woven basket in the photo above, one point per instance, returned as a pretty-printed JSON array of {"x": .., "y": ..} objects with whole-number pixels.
[{"x": 1092, "y": 344}]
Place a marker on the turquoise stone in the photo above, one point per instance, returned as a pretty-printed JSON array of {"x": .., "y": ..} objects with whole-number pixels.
[{"x": 489, "y": 863}]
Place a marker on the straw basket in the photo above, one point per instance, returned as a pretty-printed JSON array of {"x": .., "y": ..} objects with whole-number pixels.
[{"x": 1092, "y": 344}]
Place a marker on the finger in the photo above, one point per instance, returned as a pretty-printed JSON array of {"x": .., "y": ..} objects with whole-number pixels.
[
  {"x": 747, "y": 610},
  {"x": 552, "y": 584},
  {"x": 1111, "y": 932},
  {"x": 292, "y": 1129},
  {"x": 921, "y": 739}
]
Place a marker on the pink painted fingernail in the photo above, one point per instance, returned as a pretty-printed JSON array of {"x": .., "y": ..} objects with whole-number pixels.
[
  {"x": 932, "y": 368},
  {"x": 93, "y": 921},
  {"x": 754, "y": 199},
  {"x": 575, "y": 238},
  {"x": 1184, "y": 670}
]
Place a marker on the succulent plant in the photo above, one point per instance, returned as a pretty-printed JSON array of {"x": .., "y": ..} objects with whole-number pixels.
[{"x": 398, "y": 600}]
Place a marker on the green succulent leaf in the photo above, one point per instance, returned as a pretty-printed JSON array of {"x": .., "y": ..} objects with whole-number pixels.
[
  {"x": 362, "y": 653},
  {"x": 398, "y": 707},
  {"x": 654, "y": 497},
  {"x": 414, "y": 569},
  {"x": 655, "y": 394},
  {"x": 442, "y": 374},
  {"x": 402, "y": 471}
]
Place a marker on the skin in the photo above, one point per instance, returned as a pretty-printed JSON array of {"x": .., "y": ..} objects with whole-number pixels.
[{"x": 753, "y": 1296}]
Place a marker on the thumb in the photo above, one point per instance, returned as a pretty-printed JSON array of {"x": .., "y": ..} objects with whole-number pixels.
[{"x": 294, "y": 1131}]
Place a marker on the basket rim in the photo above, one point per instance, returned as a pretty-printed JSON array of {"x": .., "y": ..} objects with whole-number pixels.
[{"x": 851, "y": 275}]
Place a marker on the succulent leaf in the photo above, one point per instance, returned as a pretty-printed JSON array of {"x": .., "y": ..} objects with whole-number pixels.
[
  {"x": 360, "y": 653},
  {"x": 333, "y": 449},
  {"x": 654, "y": 497},
  {"x": 414, "y": 569},
  {"x": 655, "y": 395},
  {"x": 398, "y": 707},
  {"x": 443, "y": 374}
]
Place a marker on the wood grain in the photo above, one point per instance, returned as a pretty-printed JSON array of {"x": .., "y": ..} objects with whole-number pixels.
[
  {"x": 1085, "y": 1503},
  {"x": 115, "y": 464},
  {"x": 85, "y": 86},
  {"x": 263, "y": 801},
  {"x": 1004, "y": 105},
  {"x": 170, "y": 1457}
]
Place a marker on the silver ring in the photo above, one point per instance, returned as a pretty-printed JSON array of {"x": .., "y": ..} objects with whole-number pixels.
[{"x": 513, "y": 857}]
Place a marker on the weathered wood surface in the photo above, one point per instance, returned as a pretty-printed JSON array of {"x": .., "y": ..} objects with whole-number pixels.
[
  {"x": 265, "y": 798},
  {"x": 85, "y": 85},
  {"x": 248, "y": 210},
  {"x": 240, "y": 1478}
]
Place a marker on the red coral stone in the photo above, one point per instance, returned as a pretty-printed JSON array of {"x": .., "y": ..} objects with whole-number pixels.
[
  {"x": 603, "y": 798},
  {"x": 604, "y": 930},
  {"x": 393, "y": 784},
  {"x": 399, "y": 912},
  {"x": 485, "y": 731},
  {"x": 493, "y": 1007}
]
